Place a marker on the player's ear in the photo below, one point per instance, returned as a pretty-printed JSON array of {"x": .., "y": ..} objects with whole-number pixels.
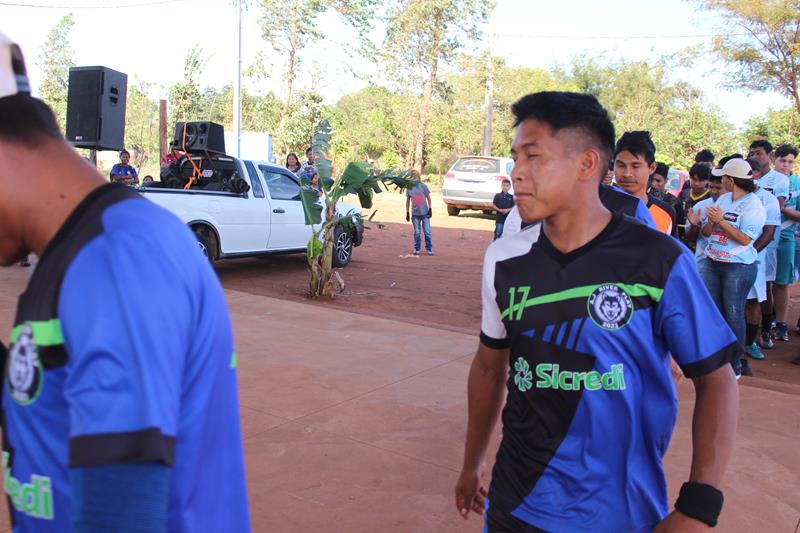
[{"x": 589, "y": 164}]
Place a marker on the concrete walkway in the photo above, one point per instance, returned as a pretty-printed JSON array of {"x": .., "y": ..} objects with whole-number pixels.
[{"x": 356, "y": 424}]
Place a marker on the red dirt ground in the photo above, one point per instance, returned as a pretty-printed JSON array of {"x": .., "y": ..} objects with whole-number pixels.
[{"x": 440, "y": 291}]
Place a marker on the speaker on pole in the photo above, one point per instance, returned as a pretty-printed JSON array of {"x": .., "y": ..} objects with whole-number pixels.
[{"x": 96, "y": 100}]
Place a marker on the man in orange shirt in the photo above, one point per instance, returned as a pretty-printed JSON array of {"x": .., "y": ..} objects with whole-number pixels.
[{"x": 634, "y": 162}]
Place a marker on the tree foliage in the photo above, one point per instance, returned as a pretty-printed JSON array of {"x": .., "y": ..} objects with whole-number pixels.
[
  {"x": 766, "y": 55},
  {"x": 55, "y": 60},
  {"x": 778, "y": 125},
  {"x": 421, "y": 35},
  {"x": 291, "y": 25}
]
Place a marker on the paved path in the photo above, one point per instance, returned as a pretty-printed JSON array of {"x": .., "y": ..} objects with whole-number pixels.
[{"x": 356, "y": 424}]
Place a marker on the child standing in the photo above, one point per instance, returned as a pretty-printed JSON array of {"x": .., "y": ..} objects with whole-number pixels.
[
  {"x": 502, "y": 203},
  {"x": 418, "y": 198}
]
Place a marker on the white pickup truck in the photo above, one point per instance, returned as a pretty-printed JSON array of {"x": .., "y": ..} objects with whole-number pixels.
[{"x": 231, "y": 219}]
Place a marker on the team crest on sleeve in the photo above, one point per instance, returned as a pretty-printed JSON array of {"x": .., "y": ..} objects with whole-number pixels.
[
  {"x": 24, "y": 370},
  {"x": 610, "y": 307}
]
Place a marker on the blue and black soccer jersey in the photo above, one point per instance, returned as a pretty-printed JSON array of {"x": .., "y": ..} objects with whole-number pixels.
[
  {"x": 123, "y": 353},
  {"x": 591, "y": 402}
]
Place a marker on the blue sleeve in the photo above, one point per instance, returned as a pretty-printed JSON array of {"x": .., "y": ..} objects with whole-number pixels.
[
  {"x": 692, "y": 327},
  {"x": 115, "y": 170},
  {"x": 120, "y": 498},
  {"x": 643, "y": 214},
  {"x": 125, "y": 322}
]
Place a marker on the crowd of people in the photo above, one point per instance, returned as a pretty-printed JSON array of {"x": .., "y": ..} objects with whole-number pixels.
[{"x": 739, "y": 219}]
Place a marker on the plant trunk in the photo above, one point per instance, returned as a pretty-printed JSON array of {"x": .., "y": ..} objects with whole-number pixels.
[
  {"x": 427, "y": 95},
  {"x": 289, "y": 81},
  {"x": 322, "y": 268}
]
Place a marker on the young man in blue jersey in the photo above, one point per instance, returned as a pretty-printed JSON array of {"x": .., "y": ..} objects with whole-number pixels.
[
  {"x": 579, "y": 319},
  {"x": 109, "y": 424}
]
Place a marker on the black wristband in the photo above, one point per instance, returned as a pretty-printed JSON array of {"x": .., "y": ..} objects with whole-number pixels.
[{"x": 701, "y": 502}]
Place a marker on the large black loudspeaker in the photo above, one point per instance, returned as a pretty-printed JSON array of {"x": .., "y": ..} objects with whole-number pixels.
[
  {"x": 200, "y": 137},
  {"x": 96, "y": 108}
]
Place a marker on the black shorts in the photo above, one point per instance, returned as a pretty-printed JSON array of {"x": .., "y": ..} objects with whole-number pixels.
[{"x": 498, "y": 521}]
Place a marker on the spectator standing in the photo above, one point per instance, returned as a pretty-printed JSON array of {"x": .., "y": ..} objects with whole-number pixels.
[
  {"x": 697, "y": 192},
  {"x": 503, "y": 203},
  {"x": 785, "y": 156},
  {"x": 419, "y": 212},
  {"x": 634, "y": 162},
  {"x": 658, "y": 187},
  {"x": 309, "y": 160},
  {"x": 122, "y": 172},
  {"x": 778, "y": 185},
  {"x": 695, "y": 216},
  {"x": 732, "y": 224},
  {"x": 109, "y": 425},
  {"x": 293, "y": 164},
  {"x": 758, "y": 293}
]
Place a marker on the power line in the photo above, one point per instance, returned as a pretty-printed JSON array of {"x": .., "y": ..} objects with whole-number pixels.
[
  {"x": 123, "y": 6},
  {"x": 617, "y": 37}
]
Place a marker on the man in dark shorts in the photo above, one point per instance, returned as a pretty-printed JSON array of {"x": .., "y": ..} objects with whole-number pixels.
[
  {"x": 110, "y": 422},
  {"x": 578, "y": 327}
]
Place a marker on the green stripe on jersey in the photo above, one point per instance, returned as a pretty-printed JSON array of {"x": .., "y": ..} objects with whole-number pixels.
[
  {"x": 234, "y": 361},
  {"x": 635, "y": 290},
  {"x": 45, "y": 332}
]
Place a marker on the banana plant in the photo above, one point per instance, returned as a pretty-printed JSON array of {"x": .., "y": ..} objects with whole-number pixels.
[{"x": 360, "y": 179}]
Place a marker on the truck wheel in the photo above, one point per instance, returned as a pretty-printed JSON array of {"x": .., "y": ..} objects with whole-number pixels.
[
  {"x": 342, "y": 248},
  {"x": 208, "y": 243},
  {"x": 453, "y": 211}
]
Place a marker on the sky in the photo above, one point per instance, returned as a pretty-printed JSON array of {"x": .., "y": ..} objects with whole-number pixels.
[{"x": 148, "y": 40}]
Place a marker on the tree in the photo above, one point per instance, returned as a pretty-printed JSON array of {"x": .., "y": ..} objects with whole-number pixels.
[
  {"x": 422, "y": 34},
  {"x": 55, "y": 60},
  {"x": 778, "y": 125},
  {"x": 766, "y": 56},
  {"x": 291, "y": 25},
  {"x": 141, "y": 126},
  {"x": 184, "y": 97}
]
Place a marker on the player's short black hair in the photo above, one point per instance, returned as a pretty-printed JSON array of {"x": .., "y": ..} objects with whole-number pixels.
[
  {"x": 124, "y": 152},
  {"x": 26, "y": 120},
  {"x": 784, "y": 150},
  {"x": 761, "y": 143},
  {"x": 563, "y": 110},
  {"x": 639, "y": 143},
  {"x": 506, "y": 181},
  {"x": 715, "y": 179},
  {"x": 704, "y": 156},
  {"x": 662, "y": 169},
  {"x": 309, "y": 149},
  {"x": 700, "y": 172}
]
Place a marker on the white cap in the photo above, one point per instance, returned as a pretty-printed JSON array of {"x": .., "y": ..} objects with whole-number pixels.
[
  {"x": 11, "y": 82},
  {"x": 735, "y": 168}
]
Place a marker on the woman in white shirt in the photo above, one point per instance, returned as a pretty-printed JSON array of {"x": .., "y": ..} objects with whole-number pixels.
[{"x": 731, "y": 226}]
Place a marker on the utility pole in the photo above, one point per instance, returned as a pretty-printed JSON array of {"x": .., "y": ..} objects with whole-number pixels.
[
  {"x": 163, "y": 140},
  {"x": 237, "y": 87},
  {"x": 488, "y": 101}
]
